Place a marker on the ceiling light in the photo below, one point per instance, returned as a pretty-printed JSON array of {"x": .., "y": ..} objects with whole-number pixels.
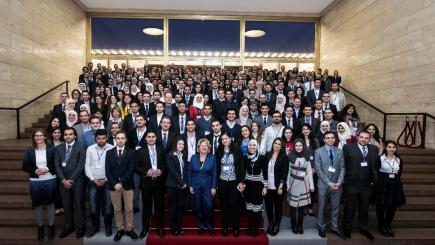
[
  {"x": 129, "y": 52},
  {"x": 209, "y": 53},
  {"x": 224, "y": 54},
  {"x": 252, "y": 54},
  {"x": 202, "y": 53},
  {"x": 281, "y": 55},
  {"x": 151, "y": 52},
  {"x": 288, "y": 55},
  {"x": 259, "y": 55},
  {"x": 231, "y": 54},
  {"x": 106, "y": 51},
  {"x": 144, "y": 52},
  {"x": 295, "y": 55},
  {"x": 136, "y": 52},
  {"x": 302, "y": 55},
  {"x": 173, "y": 53},
  {"x": 153, "y": 31},
  {"x": 187, "y": 53},
  {"x": 180, "y": 53},
  {"x": 216, "y": 53},
  {"x": 266, "y": 55},
  {"x": 237, "y": 54},
  {"x": 158, "y": 52},
  {"x": 113, "y": 51},
  {"x": 274, "y": 55},
  {"x": 255, "y": 33},
  {"x": 195, "y": 53},
  {"x": 93, "y": 52}
]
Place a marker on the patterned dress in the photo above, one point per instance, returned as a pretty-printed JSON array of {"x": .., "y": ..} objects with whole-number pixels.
[{"x": 299, "y": 182}]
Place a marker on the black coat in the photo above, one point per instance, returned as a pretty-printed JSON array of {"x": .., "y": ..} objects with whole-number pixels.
[
  {"x": 120, "y": 170},
  {"x": 358, "y": 177},
  {"x": 143, "y": 164},
  {"x": 174, "y": 178},
  {"x": 280, "y": 170},
  {"x": 29, "y": 161}
]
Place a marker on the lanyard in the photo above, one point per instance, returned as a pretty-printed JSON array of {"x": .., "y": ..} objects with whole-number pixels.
[
  {"x": 391, "y": 165},
  {"x": 139, "y": 135},
  {"x": 100, "y": 155},
  {"x": 191, "y": 142},
  {"x": 153, "y": 156},
  {"x": 277, "y": 132}
]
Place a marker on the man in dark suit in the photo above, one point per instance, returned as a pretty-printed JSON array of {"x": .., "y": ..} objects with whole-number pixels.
[
  {"x": 215, "y": 136},
  {"x": 297, "y": 108},
  {"x": 120, "y": 166},
  {"x": 204, "y": 123},
  {"x": 270, "y": 96},
  {"x": 165, "y": 135},
  {"x": 135, "y": 137},
  {"x": 309, "y": 119},
  {"x": 326, "y": 98},
  {"x": 231, "y": 127},
  {"x": 191, "y": 137},
  {"x": 170, "y": 108},
  {"x": 151, "y": 167},
  {"x": 88, "y": 81},
  {"x": 335, "y": 78},
  {"x": 219, "y": 106},
  {"x": 179, "y": 121},
  {"x": 187, "y": 96},
  {"x": 329, "y": 164},
  {"x": 360, "y": 160},
  {"x": 237, "y": 93},
  {"x": 154, "y": 120},
  {"x": 130, "y": 120},
  {"x": 253, "y": 110},
  {"x": 147, "y": 108},
  {"x": 58, "y": 110},
  {"x": 86, "y": 99},
  {"x": 315, "y": 93},
  {"x": 69, "y": 160},
  {"x": 289, "y": 120}
]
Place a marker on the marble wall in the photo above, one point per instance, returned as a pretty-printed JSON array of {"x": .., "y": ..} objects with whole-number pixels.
[
  {"x": 42, "y": 43},
  {"x": 385, "y": 51}
]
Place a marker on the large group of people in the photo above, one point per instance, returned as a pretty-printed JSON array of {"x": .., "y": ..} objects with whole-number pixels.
[{"x": 246, "y": 136}]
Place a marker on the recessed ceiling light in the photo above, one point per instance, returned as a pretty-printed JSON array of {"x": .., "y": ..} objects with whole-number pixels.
[
  {"x": 255, "y": 33},
  {"x": 153, "y": 31}
]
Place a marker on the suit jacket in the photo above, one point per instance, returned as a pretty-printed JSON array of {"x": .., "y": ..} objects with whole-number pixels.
[
  {"x": 234, "y": 132},
  {"x": 153, "y": 124},
  {"x": 239, "y": 164},
  {"x": 300, "y": 113},
  {"x": 204, "y": 126},
  {"x": 335, "y": 79},
  {"x": 322, "y": 163},
  {"x": 210, "y": 139},
  {"x": 120, "y": 170},
  {"x": 237, "y": 95},
  {"x": 311, "y": 96},
  {"x": 260, "y": 121},
  {"x": 92, "y": 106},
  {"x": 143, "y": 164},
  {"x": 133, "y": 141},
  {"x": 176, "y": 123},
  {"x": 202, "y": 175},
  {"x": 189, "y": 100},
  {"x": 296, "y": 125},
  {"x": 74, "y": 169},
  {"x": 59, "y": 113},
  {"x": 29, "y": 161},
  {"x": 127, "y": 123},
  {"x": 176, "y": 177},
  {"x": 151, "y": 109},
  {"x": 171, "y": 137},
  {"x": 174, "y": 110},
  {"x": 80, "y": 131},
  {"x": 220, "y": 109},
  {"x": 358, "y": 177},
  {"x": 280, "y": 170},
  {"x": 272, "y": 100},
  {"x": 315, "y": 123}
]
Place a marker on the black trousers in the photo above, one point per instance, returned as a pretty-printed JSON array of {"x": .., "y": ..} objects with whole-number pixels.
[
  {"x": 74, "y": 204},
  {"x": 230, "y": 203},
  {"x": 152, "y": 196},
  {"x": 385, "y": 215},
  {"x": 297, "y": 215},
  {"x": 273, "y": 203},
  {"x": 176, "y": 201},
  {"x": 353, "y": 200}
]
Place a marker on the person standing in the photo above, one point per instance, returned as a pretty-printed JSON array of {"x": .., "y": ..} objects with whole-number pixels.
[
  {"x": 69, "y": 160},
  {"x": 255, "y": 186},
  {"x": 202, "y": 183},
  {"x": 360, "y": 162},
  {"x": 38, "y": 161},
  {"x": 151, "y": 168},
  {"x": 271, "y": 133},
  {"x": 120, "y": 163},
  {"x": 176, "y": 184},
  {"x": 329, "y": 164},
  {"x": 389, "y": 189},
  {"x": 231, "y": 174},
  {"x": 99, "y": 191},
  {"x": 299, "y": 185}
]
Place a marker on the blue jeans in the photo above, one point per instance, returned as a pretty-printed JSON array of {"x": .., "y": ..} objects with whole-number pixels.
[{"x": 99, "y": 196}]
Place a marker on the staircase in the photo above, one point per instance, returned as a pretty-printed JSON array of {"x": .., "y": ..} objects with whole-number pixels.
[{"x": 41, "y": 123}]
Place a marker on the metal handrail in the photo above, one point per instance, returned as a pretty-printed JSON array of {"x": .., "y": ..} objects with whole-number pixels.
[
  {"x": 17, "y": 109},
  {"x": 386, "y": 114}
]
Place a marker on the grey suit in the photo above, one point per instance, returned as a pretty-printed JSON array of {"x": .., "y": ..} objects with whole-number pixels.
[
  {"x": 260, "y": 120},
  {"x": 72, "y": 170},
  {"x": 80, "y": 129},
  {"x": 329, "y": 172}
]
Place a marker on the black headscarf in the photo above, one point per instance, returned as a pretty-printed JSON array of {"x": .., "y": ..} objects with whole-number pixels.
[{"x": 304, "y": 153}]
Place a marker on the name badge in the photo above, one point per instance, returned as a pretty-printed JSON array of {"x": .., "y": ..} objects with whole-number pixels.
[
  {"x": 331, "y": 169},
  {"x": 311, "y": 158},
  {"x": 226, "y": 168},
  {"x": 391, "y": 176},
  {"x": 206, "y": 133},
  {"x": 63, "y": 164},
  {"x": 138, "y": 147},
  {"x": 301, "y": 174},
  {"x": 363, "y": 164}
]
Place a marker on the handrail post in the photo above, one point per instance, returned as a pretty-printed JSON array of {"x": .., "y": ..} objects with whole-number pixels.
[
  {"x": 18, "y": 124},
  {"x": 423, "y": 135},
  {"x": 384, "y": 134},
  {"x": 67, "y": 87}
]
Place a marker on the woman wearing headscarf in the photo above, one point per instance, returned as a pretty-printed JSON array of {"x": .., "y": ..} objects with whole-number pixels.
[
  {"x": 344, "y": 135},
  {"x": 244, "y": 117},
  {"x": 71, "y": 118},
  {"x": 195, "y": 110},
  {"x": 324, "y": 127},
  {"x": 299, "y": 185},
  {"x": 281, "y": 101},
  {"x": 255, "y": 186}
]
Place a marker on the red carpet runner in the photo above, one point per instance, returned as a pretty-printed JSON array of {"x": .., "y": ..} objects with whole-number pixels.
[{"x": 191, "y": 236}]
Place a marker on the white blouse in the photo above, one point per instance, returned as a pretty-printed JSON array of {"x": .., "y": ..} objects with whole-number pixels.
[
  {"x": 271, "y": 175},
  {"x": 41, "y": 162},
  {"x": 390, "y": 166}
]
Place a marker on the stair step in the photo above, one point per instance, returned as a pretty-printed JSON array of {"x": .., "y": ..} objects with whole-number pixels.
[
  {"x": 27, "y": 236},
  {"x": 419, "y": 168},
  {"x": 10, "y": 164},
  {"x": 419, "y": 190},
  {"x": 418, "y": 178},
  {"x": 13, "y": 175},
  {"x": 419, "y": 204},
  {"x": 421, "y": 152},
  {"x": 15, "y": 202},
  {"x": 418, "y": 159},
  {"x": 11, "y": 155},
  {"x": 11, "y": 187},
  {"x": 404, "y": 236}
]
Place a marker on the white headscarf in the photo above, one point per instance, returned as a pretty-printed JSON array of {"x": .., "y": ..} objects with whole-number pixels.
[
  {"x": 280, "y": 106},
  {"x": 347, "y": 133},
  {"x": 198, "y": 104},
  {"x": 69, "y": 123},
  {"x": 243, "y": 119},
  {"x": 324, "y": 123}
]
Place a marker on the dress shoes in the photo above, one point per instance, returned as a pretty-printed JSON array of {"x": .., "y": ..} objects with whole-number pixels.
[
  {"x": 300, "y": 229},
  {"x": 108, "y": 231},
  {"x": 225, "y": 231},
  {"x": 347, "y": 234},
  {"x": 390, "y": 231},
  {"x": 269, "y": 228},
  {"x": 131, "y": 234},
  {"x": 51, "y": 232},
  {"x": 275, "y": 231},
  {"x": 161, "y": 232},
  {"x": 65, "y": 232},
  {"x": 367, "y": 234},
  {"x": 40, "y": 233},
  {"x": 384, "y": 231},
  {"x": 81, "y": 231},
  {"x": 144, "y": 232},
  {"x": 91, "y": 232},
  {"x": 180, "y": 232},
  {"x": 118, "y": 235},
  {"x": 322, "y": 233},
  {"x": 339, "y": 233},
  {"x": 236, "y": 232}
]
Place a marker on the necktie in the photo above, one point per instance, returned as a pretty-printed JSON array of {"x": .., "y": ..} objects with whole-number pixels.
[
  {"x": 265, "y": 121},
  {"x": 289, "y": 123},
  {"x": 318, "y": 115},
  {"x": 364, "y": 151},
  {"x": 331, "y": 156},
  {"x": 268, "y": 97},
  {"x": 182, "y": 125},
  {"x": 215, "y": 143},
  {"x": 146, "y": 109},
  {"x": 63, "y": 107},
  {"x": 134, "y": 120},
  {"x": 119, "y": 153},
  {"x": 68, "y": 152},
  {"x": 165, "y": 139}
]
